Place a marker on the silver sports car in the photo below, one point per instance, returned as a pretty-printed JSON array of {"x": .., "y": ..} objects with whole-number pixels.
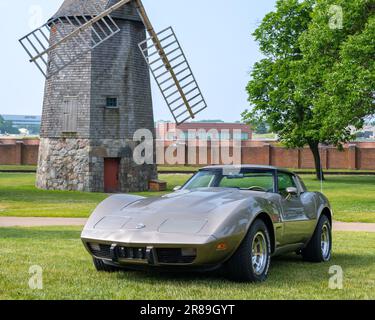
[{"x": 230, "y": 217}]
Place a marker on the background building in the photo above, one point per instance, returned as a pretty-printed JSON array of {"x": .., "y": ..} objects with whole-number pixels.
[
  {"x": 367, "y": 133},
  {"x": 30, "y": 123},
  {"x": 169, "y": 131},
  {"x": 23, "y": 121}
]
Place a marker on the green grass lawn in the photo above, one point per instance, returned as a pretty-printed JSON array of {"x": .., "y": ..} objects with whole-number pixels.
[
  {"x": 19, "y": 197},
  {"x": 352, "y": 197},
  {"x": 68, "y": 272}
]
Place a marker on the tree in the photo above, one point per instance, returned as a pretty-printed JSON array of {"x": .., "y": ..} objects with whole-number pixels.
[
  {"x": 261, "y": 128},
  {"x": 7, "y": 127},
  {"x": 317, "y": 77}
]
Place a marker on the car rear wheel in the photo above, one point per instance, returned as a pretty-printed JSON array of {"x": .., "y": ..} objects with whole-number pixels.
[
  {"x": 100, "y": 265},
  {"x": 320, "y": 246},
  {"x": 251, "y": 261}
]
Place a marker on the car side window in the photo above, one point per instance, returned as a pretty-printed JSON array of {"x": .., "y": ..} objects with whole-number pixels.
[
  {"x": 285, "y": 181},
  {"x": 201, "y": 180}
]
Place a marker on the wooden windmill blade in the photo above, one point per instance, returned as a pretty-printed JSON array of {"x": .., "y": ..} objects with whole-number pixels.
[
  {"x": 171, "y": 71},
  {"x": 74, "y": 35}
]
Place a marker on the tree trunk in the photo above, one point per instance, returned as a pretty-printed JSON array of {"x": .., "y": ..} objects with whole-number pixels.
[{"x": 314, "y": 147}]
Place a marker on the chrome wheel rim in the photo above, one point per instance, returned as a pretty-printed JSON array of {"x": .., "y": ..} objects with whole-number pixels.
[
  {"x": 259, "y": 253},
  {"x": 325, "y": 241}
]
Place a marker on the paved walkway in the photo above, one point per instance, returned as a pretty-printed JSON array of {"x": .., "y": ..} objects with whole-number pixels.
[
  {"x": 42, "y": 222},
  {"x": 345, "y": 226}
]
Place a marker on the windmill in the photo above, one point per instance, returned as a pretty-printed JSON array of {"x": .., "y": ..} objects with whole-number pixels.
[
  {"x": 97, "y": 59},
  {"x": 162, "y": 52}
]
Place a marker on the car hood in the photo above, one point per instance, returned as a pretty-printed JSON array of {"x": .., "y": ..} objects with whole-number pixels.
[
  {"x": 180, "y": 212},
  {"x": 196, "y": 202}
]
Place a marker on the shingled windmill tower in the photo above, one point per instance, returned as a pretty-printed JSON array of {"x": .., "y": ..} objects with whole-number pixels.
[{"x": 96, "y": 59}]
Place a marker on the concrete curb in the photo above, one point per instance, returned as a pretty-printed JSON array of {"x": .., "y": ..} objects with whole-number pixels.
[{"x": 354, "y": 226}]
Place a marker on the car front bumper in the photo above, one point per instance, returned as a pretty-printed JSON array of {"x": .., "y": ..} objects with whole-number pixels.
[{"x": 132, "y": 248}]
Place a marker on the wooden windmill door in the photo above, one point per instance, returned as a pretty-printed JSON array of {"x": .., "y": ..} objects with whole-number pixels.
[{"x": 111, "y": 175}]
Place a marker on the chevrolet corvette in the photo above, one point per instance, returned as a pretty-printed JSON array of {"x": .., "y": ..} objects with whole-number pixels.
[{"x": 234, "y": 218}]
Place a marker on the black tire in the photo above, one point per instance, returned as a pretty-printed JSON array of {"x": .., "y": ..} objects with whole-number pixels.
[
  {"x": 101, "y": 266},
  {"x": 316, "y": 251},
  {"x": 240, "y": 267}
]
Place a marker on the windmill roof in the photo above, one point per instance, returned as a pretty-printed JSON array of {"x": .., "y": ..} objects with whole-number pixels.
[{"x": 85, "y": 7}]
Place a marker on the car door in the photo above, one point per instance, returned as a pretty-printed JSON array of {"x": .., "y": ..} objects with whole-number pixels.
[{"x": 295, "y": 212}]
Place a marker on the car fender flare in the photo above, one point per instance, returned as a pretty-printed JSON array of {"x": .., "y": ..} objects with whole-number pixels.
[
  {"x": 324, "y": 209},
  {"x": 111, "y": 204},
  {"x": 266, "y": 218},
  {"x": 260, "y": 215},
  {"x": 120, "y": 200}
]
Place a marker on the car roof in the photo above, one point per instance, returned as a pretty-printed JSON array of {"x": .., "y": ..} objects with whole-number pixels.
[{"x": 247, "y": 166}]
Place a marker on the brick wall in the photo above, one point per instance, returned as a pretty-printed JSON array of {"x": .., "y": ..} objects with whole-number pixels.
[
  {"x": 18, "y": 152},
  {"x": 366, "y": 158},
  {"x": 7, "y": 154},
  {"x": 355, "y": 156}
]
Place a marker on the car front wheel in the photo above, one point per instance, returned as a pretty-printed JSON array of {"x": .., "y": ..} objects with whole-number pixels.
[
  {"x": 320, "y": 246},
  {"x": 251, "y": 261}
]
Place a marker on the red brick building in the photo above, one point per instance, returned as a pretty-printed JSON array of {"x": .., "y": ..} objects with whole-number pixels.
[{"x": 169, "y": 131}]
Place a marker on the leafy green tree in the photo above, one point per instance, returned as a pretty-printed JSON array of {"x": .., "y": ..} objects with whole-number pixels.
[
  {"x": 317, "y": 77},
  {"x": 261, "y": 128},
  {"x": 7, "y": 127}
]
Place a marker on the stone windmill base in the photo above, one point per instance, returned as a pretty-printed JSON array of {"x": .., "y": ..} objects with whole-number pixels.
[{"x": 79, "y": 165}]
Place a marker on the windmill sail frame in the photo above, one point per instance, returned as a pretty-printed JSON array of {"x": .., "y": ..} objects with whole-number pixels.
[
  {"x": 98, "y": 27},
  {"x": 173, "y": 75}
]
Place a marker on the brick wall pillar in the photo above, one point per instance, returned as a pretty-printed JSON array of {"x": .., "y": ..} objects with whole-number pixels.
[
  {"x": 352, "y": 157},
  {"x": 299, "y": 159},
  {"x": 324, "y": 154},
  {"x": 18, "y": 153},
  {"x": 267, "y": 154}
]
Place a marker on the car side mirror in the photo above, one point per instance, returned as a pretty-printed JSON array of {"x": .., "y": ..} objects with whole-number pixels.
[
  {"x": 291, "y": 191},
  {"x": 177, "y": 188}
]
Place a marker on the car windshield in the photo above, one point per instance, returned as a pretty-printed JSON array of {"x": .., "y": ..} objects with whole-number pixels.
[{"x": 255, "y": 180}]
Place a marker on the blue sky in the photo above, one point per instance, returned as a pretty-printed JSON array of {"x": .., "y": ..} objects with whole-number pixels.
[{"x": 215, "y": 35}]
